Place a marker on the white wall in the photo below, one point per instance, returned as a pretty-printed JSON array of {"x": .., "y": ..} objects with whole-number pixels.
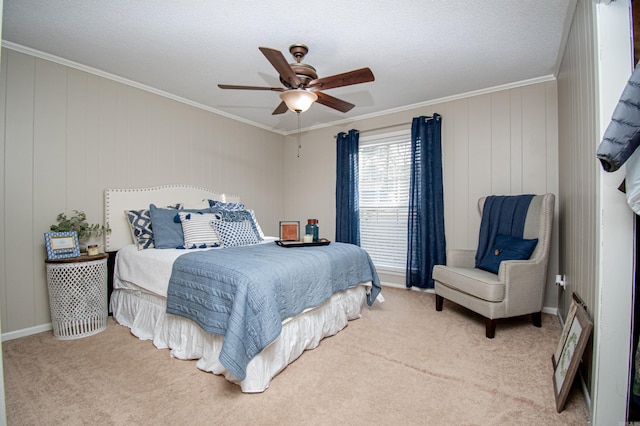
[
  {"x": 616, "y": 248},
  {"x": 502, "y": 142},
  {"x": 3, "y": 408},
  {"x": 67, "y": 135},
  {"x": 577, "y": 95},
  {"x": 596, "y": 251}
]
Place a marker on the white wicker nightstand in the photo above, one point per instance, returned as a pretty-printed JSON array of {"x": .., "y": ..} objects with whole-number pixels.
[{"x": 78, "y": 295}]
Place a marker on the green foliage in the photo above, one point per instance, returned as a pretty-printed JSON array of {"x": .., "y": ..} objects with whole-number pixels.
[{"x": 78, "y": 222}]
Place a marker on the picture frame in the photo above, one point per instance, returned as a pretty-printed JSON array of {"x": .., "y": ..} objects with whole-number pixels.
[
  {"x": 289, "y": 230},
  {"x": 573, "y": 342},
  {"x": 61, "y": 245},
  {"x": 565, "y": 332}
]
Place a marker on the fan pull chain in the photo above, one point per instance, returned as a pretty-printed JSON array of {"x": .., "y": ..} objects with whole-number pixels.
[{"x": 299, "y": 143}]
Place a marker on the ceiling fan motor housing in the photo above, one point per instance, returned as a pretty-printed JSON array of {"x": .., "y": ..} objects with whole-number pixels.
[{"x": 306, "y": 73}]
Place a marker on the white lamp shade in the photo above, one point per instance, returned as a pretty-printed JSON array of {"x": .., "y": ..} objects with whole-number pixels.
[{"x": 298, "y": 100}]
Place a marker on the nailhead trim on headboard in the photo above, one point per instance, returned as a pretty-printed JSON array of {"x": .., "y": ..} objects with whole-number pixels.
[{"x": 116, "y": 201}]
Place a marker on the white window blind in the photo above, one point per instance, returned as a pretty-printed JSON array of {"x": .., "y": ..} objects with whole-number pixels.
[{"x": 384, "y": 172}]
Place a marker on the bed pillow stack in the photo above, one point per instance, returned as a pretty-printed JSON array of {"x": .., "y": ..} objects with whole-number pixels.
[{"x": 221, "y": 224}]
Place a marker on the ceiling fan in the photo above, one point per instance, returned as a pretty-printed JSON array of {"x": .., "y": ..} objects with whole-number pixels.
[{"x": 302, "y": 85}]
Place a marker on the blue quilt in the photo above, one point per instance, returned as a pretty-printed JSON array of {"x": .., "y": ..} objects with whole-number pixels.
[{"x": 244, "y": 293}]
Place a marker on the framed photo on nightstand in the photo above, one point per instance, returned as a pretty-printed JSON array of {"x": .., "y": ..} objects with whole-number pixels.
[
  {"x": 289, "y": 231},
  {"x": 61, "y": 245}
]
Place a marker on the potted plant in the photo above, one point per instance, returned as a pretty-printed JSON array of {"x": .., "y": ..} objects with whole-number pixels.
[{"x": 88, "y": 234}]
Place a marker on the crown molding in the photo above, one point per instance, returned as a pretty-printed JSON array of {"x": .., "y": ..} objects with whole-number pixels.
[
  {"x": 137, "y": 85},
  {"x": 100, "y": 73}
]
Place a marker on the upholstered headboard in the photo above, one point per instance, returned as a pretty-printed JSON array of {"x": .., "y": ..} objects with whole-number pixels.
[{"x": 116, "y": 201}]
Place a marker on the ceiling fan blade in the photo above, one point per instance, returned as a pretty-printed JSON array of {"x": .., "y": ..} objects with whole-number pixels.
[
  {"x": 233, "y": 86},
  {"x": 332, "y": 102},
  {"x": 363, "y": 75},
  {"x": 280, "y": 109},
  {"x": 281, "y": 65}
]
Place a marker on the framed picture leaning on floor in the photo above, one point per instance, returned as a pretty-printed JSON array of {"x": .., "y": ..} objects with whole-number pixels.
[{"x": 575, "y": 334}]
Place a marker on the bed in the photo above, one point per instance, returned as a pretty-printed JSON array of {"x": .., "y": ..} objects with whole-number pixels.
[{"x": 172, "y": 295}]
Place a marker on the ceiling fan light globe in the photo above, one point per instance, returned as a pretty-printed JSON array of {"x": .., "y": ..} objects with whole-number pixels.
[{"x": 298, "y": 100}]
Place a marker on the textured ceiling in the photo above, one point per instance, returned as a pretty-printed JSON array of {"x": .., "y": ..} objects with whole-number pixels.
[{"x": 418, "y": 50}]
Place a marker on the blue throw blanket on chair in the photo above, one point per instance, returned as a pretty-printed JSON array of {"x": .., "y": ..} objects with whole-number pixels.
[{"x": 502, "y": 214}]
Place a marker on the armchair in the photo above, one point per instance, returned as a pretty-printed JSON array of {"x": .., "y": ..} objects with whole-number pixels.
[{"x": 518, "y": 287}]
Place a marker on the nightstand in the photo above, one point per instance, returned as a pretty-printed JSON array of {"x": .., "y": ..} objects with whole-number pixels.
[{"x": 78, "y": 295}]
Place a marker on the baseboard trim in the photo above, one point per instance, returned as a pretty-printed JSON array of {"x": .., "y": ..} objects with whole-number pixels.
[
  {"x": 26, "y": 332},
  {"x": 393, "y": 285}
]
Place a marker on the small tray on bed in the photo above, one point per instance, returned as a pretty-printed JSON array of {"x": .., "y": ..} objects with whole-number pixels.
[{"x": 322, "y": 242}]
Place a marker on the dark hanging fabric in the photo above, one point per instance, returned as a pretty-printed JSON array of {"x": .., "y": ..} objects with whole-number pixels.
[
  {"x": 347, "y": 205},
  {"x": 426, "y": 240},
  {"x": 501, "y": 214},
  {"x": 622, "y": 136}
]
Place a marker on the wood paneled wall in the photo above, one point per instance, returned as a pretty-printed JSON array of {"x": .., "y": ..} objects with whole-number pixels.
[
  {"x": 67, "y": 135},
  {"x": 597, "y": 245},
  {"x": 577, "y": 89},
  {"x": 504, "y": 142}
]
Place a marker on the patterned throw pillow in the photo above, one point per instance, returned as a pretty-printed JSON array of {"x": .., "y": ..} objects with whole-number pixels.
[
  {"x": 198, "y": 230},
  {"x": 235, "y": 228},
  {"x": 219, "y": 205},
  {"x": 140, "y": 225},
  {"x": 225, "y": 206}
]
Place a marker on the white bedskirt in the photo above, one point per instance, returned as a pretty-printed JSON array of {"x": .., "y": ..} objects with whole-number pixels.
[{"x": 145, "y": 314}]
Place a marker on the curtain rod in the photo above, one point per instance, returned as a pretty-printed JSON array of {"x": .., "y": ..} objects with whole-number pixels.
[{"x": 384, "y": 127}]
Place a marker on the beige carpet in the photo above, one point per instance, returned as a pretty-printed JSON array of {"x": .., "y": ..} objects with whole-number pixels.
[{"x": 401, "y": 363}]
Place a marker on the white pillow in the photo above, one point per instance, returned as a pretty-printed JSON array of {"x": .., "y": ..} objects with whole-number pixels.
[
  {"x": 200, "y": 205},
  {"x": 198, "y": 230},
  {"x": 256, "y": 224}
]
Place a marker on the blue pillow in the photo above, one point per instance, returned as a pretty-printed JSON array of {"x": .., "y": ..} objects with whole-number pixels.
[
  {"x": 166, "y": 232},
  {"x": 506, "y": 247},
  {"x": 140, "y": 224}
]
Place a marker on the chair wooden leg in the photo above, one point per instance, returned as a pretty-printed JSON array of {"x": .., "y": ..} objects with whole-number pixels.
[
  {"x": 537, "y": 319},
  {"x": 439, "y": 302},
  {"x": 490, "y": 325}
]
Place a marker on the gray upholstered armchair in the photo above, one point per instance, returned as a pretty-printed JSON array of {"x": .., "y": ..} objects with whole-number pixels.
[{"x": 517, "y": 288}]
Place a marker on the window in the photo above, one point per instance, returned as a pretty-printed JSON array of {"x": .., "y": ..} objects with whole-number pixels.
[{"x": 384, "y": 173}]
